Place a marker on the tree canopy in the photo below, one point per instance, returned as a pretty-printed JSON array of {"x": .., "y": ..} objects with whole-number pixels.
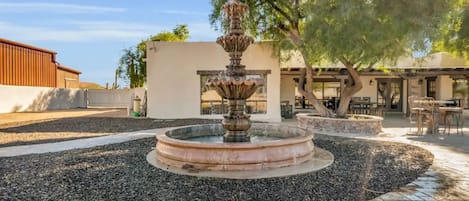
[
  {"x": 455, "y": 35},
  {"x": 132, "y": 64},
  {"x": 356, "y": 33}
]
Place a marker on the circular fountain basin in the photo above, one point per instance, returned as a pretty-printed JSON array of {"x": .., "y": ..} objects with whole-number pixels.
[{"x": 201, "y": 148}]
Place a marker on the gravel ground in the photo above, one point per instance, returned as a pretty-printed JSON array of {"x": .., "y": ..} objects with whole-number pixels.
[
  {"x": 56, "y": 130},
  {"x": 361, "y": 170}
]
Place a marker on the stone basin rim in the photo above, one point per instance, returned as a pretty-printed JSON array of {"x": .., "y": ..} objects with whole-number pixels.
[
  {"x": 321, "y": 159},
  {"x": 299, "y": 138}
]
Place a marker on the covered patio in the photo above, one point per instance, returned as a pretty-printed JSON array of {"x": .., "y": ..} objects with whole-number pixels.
[{"x": 440, "y": 76}]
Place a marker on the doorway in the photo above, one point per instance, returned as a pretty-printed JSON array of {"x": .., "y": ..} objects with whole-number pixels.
[{"x": 389, "y": 93}]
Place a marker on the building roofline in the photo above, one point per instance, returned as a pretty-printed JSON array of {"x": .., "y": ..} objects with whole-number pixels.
[
  {"x": 68, "y": 69},
  {"x": 2, "y": 40}
]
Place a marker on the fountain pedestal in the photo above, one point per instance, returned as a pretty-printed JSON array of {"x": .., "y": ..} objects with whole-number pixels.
[{"x": 236, "y": 122}]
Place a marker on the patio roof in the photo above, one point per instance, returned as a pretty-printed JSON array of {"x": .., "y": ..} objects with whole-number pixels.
[{"x": 440, "y": 60}]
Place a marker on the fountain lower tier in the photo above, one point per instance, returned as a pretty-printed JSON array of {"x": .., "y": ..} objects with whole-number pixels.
[
  {"x": 293, "y": 146},
  {"x": 236, "y": 91}
]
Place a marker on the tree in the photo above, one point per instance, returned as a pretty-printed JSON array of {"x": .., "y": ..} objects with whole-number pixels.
[
  {"x": 132, "y": 64},
  {"x": 455, "y": 35},
  {"x": 357, "y": 33},
  {"x": 132, "y": 67}
]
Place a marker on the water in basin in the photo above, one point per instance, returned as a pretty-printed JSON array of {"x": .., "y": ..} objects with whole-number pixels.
[{"x": 219, "y": 139}]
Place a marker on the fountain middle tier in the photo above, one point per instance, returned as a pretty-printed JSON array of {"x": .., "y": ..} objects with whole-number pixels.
[{"x": 235, "y": 43}]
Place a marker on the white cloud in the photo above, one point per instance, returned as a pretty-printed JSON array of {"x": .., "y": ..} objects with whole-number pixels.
[
  {"x": 55, "y": 7},
  {"x": 80, "y": 31},
  {"x": 89, "y": 31},
  {"x": 111, "y": 25}
]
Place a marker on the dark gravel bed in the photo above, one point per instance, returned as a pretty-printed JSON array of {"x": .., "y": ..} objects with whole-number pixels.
[
  {"x": 82, "y": 125},
  {"x": 361, "y": 170},
  {"x": 101, "y": 124}
]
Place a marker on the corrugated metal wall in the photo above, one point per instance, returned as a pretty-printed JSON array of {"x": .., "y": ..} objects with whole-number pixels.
[
  {"x": 26, "y": 67},
  {"x": 67, "y": 79}
]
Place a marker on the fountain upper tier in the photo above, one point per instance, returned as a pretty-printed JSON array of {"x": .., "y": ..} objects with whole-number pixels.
[
  {"x": 235, "y": 42},
  {"x": 235, "y": 45}
]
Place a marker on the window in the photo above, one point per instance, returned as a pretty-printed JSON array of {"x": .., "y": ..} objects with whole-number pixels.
[
  {"x": 212, "y": 103},
  {"x": 431, "y": 87},
  {"x": 326, "y": 90}
]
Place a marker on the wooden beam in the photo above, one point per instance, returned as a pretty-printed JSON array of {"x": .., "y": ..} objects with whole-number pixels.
[{"x": 422, "y": 73}]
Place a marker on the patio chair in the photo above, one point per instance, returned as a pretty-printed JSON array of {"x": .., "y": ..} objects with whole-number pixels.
[
  {"x": 415, "y": 114},
  {"x": 377, "y": 110},
  {"x": 431, "y": 110}
]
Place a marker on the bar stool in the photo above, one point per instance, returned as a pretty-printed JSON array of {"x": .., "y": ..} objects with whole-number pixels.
[{"x": 452, "y": 115}]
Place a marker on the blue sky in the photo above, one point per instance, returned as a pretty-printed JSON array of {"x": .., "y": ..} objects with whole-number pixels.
[{"x": 89, "y": 35}]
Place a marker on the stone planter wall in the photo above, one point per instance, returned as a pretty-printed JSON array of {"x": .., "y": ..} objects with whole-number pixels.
[{"x": 366, "y": 125}]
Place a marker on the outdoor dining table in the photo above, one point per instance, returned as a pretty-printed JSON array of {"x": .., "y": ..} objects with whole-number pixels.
[
  {"x": 441, "y": 102},
  {"x": 432, "y": 115}
]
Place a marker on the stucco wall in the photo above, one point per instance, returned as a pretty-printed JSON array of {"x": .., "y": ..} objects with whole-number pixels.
[
  {"x": 368, "y": 90},
  {"x": 174, "y": 85},
  {"x": 114, "y": 98},
  {"x": 287, "y": 89},
  {"x": 22, "y": 98},
  {"x": 444, "y": 87},
  {"x": 119, "y": 98}
]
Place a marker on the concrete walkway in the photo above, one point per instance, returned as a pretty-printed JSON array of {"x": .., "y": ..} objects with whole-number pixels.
[
  {"x": 447, "y": 178},
  {"x": 77, "y": 144}
]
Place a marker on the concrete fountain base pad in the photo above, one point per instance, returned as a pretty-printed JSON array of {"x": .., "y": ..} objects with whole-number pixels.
[{"x": 321, "y": 159}]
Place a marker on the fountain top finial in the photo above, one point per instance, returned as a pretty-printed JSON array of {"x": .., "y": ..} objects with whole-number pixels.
[
  {"x": 235, "y": 42},
  {"x": 234, "y": 8}
]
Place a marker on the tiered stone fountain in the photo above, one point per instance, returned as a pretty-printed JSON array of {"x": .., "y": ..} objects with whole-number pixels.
[
  {"x": 234, "y": 86},
  {"x": 234, "y": 145}
]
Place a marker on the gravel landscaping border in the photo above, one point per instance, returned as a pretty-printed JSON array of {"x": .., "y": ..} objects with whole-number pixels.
[
  {"x": 362, "y": 170},
  {"x": 26, "y": 133}
]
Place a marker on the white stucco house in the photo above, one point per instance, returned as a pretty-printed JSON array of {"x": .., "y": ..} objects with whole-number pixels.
[{"x": 177, "y": 71}]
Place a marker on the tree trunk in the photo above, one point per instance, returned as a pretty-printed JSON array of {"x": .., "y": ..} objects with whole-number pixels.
[
  {"x": 307, "y": 74},
  {"x": 354, "y": 85},
  {"x": 344, "y": 103}
]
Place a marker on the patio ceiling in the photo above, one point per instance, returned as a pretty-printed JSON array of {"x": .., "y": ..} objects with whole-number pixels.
[{"x": 440, "y": 61}]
